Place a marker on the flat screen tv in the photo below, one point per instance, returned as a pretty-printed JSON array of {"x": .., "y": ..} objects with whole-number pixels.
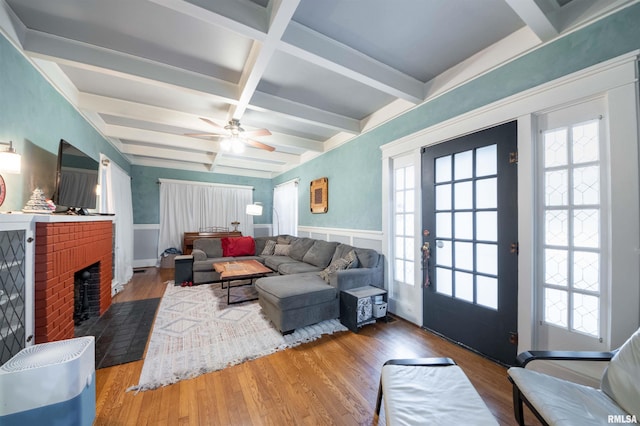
[{"x": 77, "y": 179}]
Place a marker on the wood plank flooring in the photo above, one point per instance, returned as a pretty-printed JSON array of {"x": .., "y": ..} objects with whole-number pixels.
[{"x": 332, "y": 381}]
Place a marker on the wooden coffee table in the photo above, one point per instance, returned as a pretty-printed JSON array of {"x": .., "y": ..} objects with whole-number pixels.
[{"x": 237, "y": 270}]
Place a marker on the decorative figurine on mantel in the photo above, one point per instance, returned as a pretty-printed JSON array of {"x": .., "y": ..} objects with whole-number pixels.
[
  {"x": 235, "y": 226},
  {"x": 37, "y": 203}
]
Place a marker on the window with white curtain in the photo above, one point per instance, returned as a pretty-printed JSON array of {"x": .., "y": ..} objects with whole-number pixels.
[
  {"x": 187, "y": 206},
  {"x": 115, "y": 197},
  {"x": 285, "y": 208}
]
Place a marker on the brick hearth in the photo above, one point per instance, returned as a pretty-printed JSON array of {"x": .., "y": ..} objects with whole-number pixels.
[{"x": 61, "y": 250}]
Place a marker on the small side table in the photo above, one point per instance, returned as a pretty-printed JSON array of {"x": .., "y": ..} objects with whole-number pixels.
[
  {"x": 184, "y": 269},
  {"x": 358, "y": 307}
]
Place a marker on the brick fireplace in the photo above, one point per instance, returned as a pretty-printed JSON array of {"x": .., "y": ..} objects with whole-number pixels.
[{"x": 62, "y": 249}]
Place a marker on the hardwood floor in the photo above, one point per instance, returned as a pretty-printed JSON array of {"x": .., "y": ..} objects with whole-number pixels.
[{"x": 333, "y": 380}]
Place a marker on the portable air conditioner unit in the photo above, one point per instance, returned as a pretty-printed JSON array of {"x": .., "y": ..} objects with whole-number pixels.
[{"x": 50, "y": 383}]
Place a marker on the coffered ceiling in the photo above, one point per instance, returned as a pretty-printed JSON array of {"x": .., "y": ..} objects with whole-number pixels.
[{"x": 316, "y": 73}]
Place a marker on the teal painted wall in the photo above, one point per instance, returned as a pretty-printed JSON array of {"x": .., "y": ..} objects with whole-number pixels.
[
  {"x": 35, "y": 117},
  {"x": 146, "y": 191},
  {"x": 355, "y": 169}
]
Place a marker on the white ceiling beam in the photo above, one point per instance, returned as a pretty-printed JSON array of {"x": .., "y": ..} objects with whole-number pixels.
[
  {"x": 107, "y": 61},
  {"x": 261, "y": 53},
  {"x": 318, "y": 49},
  {"x": 143, "y": 112},
  {"x": 229, "y": 161},
  {"x": 304, "y": 113},
  {"x": 11, "y": 25},
  {"x": 160, "y": 138},
  {"x": 170, "y": 164},
  {"x": 168, "y": 154},
  {"x": 244, "y": 18},
  {"x": 272, "y": 157},
  {"x": 535, "y": 18}
]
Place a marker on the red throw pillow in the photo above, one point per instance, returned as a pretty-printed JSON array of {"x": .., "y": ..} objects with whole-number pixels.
[{"x": 238, "y": 246}]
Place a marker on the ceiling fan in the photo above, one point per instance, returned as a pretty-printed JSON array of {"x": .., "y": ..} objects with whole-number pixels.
[{"x": 234, "y": 137}]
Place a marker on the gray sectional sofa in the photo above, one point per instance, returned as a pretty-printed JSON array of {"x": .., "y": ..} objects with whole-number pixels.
[{"x": 310, "y": 275}]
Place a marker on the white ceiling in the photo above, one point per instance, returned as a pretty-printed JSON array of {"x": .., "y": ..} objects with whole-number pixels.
[{"x": 315, "y": 73}]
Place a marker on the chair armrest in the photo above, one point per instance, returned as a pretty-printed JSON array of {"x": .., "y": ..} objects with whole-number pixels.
[
  {"x": 422, "y": 362},
  {"x": 198, "y": 254},
  {"x": 526, "y": 357}
]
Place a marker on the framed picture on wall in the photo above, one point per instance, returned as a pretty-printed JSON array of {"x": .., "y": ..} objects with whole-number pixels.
[{"x": 319, "y": 195}]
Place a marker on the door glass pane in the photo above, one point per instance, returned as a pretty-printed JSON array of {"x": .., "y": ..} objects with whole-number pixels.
[
  {"x": 555, "y": 307},
  {"x": 409, "y": 201},
  {"x": 409, "y": 182},
  {"x": 486, "y": 163},
  {"x": 443, "y": 225},
  {"x": 443, "y": 253},
  {"x": 408, "y": 247},
  {"x": 463, "y": 195},
  {"x": 487, "y": 291},
  {"x": 408, "y": 224},
  {"x": 586, "y": 271},
  {"x": 585, "y": 313},
  {"x": 409, "y": 273},
  {"x": 399, "y": 247},
  {"x": 555, "y": 267},
  {"x": 463, "y": 165},
  {"x": 586, "y": 185},
  {"x": 399, "y": 179},
  {"x": 487, "y": 226},
  {"x": 443, "y": 281},
  {"x": 463, "y": 225},
  {"x": 586, "y": 228},
  {"x": 464, "y": 286},
  {"x": 585, "y": 142},
  {"x": 487, "y": 258},
  {"x": 464, "y": 256},
  {"x": 487, "y": 193},
  {"x": 556, "y": 188},
  {"x": 555, "y": 148},
  {"x": 398, "y": 274},
  {"x": 399, "y": 201},
  {"x": 556, "y": 225},
  {"x": 443, "y": 197},
  {"x": 443, "y": 169}
]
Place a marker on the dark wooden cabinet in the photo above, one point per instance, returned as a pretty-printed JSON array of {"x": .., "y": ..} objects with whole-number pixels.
[
  {"x": 187, "y": 241},
  {"x": 358, "y": 306}
]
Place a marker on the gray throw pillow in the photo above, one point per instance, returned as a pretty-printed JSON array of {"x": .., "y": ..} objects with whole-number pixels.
[
  {"x": 269, "y": 248},
  {"x": 282, "y": 250}
]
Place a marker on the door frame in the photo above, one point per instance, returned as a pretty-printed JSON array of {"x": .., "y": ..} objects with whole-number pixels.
[{"x": 617, "y": 79}]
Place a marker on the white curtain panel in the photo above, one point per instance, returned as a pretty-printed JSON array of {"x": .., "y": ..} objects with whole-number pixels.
[
  {"x": 116, "y": 199},
  {"x": 192, "y": 206},
  {"x": 285, "y": 204}
]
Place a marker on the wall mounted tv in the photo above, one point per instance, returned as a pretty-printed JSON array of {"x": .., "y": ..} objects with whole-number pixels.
[{"x": 77, "y": 179}]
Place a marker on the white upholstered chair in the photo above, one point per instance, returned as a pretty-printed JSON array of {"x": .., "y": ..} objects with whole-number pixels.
[{"x": 560, "y": 402}]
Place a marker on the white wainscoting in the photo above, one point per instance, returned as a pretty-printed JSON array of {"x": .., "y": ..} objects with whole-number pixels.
[
  {"x": 145, "y": 245},
  {"x": 353, "y": 237}
]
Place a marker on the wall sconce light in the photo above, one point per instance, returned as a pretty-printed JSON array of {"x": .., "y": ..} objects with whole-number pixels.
[{"x": 9, "y": 159}]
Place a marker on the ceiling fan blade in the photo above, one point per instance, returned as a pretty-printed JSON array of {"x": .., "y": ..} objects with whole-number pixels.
[
  {"x": 260, "y": 145},
  {"x": 214, "y": 124},
  {"x": 201, "y": 135},
  {"x": 256, "y": 133}
]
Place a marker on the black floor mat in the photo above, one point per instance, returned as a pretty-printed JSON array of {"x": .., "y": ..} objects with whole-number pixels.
[{"x": 122, "y": 332}]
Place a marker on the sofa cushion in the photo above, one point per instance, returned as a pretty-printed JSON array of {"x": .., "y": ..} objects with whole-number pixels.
[
  {"x": 281, "y": 250},
  {"x": 368, "y": 258},
  {"x": 295, "y": 291},
  {"x": 320, "y": 253},
  {"x": 274, "y": 262},
  {"x": 621, "y": 379},
  {"x": 211, "y": 246},
  {"x": 341, "y": 251},
  {"x": 238, "y": 246},
  {"x": 297, "y": 268},
  {"x": 299, "y": 247}
]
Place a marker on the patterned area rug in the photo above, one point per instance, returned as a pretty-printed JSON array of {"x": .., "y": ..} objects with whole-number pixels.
[{"x": 196, "y": 332}]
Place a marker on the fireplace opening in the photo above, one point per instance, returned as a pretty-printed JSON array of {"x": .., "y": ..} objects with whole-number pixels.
[{"x": 86, "y": 292}]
